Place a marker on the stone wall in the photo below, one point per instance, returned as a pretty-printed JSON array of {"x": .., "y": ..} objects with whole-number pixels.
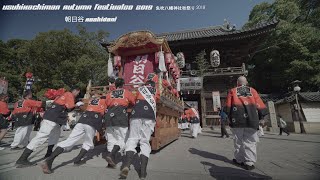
[
  {"x": 285, "y": 111},
  {"x": 312, "y": 127}
]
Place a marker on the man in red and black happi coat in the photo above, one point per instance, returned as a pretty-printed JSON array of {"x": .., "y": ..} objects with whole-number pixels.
[
  {"x": 194, "y": 118},
  {"x": 89, "y": 122},
  {"x": 50, "y": 128},
  {"x": 142, "y": 123},
  {"x": 245, "y": 109},
  {"x": 23, "y": 116},
  {"x": 117, "y": 120}
]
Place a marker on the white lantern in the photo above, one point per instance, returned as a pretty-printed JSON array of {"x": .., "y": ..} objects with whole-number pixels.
[
  {"x": 215, "y": 58},
  {"x": 181, "y": 60}
]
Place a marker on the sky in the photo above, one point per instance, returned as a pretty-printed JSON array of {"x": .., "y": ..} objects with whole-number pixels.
[{"x": 27, "y": 24}]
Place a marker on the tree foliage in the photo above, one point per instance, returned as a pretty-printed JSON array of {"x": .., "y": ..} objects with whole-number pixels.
[
  {"x": 56, "y": 58},
  {"x": 292, "y": 51},
  {"x": 202, "y": 62}
]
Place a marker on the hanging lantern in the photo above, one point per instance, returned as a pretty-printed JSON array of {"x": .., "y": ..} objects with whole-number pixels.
[
  {"x": 172, "y": 58},
  {"x": 176, "y": 75},
  {"x": 167, "y": 57},
  {"x": 175, "y": 58},
  {"x": 117, "y": 61},
  {"x": 174, "y": 91},
  {"x": 171, "y": 66},
  {"x": 175, "y": 71},
  {"x": 181, "y": 60},
  {"x": 215, "y": 58},
  {"x": 179, "y": 86}
]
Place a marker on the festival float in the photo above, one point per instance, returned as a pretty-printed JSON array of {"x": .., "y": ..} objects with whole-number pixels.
[{"x": 134, "y": 56}]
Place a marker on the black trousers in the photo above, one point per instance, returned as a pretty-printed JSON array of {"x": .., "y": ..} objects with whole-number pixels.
[
  {"x": 224, "y": 131},
  {"x": 284, "y": 130}
]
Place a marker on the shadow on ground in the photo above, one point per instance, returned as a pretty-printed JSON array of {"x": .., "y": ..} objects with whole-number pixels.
[
  {"x": 101, "y": 149},
  {"x": 229, "y": 173},
  {"x": 294, "y": 140},
  {"x": 212, "y": 132},
  {"x": 90, "y": 154},
  {"x": 210, "y": 155}
]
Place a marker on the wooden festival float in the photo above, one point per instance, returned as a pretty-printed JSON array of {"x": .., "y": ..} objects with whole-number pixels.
[{"x": 135, "y": 55}]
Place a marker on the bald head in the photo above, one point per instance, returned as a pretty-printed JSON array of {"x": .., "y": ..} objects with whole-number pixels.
[{"x": 242, "y": 81}]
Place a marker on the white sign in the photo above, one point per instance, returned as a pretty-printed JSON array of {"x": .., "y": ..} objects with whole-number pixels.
[
  {"x": 216, "y": 100},
  {"x": 191, "y": 83}
]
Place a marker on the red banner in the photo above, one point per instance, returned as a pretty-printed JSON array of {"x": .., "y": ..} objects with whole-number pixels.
[{"x": 137, "y": 68}]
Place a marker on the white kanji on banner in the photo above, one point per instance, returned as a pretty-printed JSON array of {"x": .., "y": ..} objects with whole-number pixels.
[
  {"x": 135, "y": 79},
  {"x": 138, "y": 69}
]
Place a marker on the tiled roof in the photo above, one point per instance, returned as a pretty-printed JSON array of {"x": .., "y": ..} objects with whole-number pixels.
[
  {"x": 269, "y": 97},
  {"x": 213, "y": 31},
  {"x": 310, "y": 96},
  {"x": 303, "y": 96}
]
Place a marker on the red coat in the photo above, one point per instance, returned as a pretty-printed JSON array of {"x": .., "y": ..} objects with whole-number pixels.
[
  {"x": 26, "y": 106},
  {"x": 97, "y": 105},
  {"x": 67, "y": 100},
  {"x": 4, "y": 110},
  {"x": 23, "y": 111},
  {"x": 117, "y": 103},
  {"x": 57, "y": 113},
  {"x": 245, "y": 108},
  {"x": 120, "y": 97}
]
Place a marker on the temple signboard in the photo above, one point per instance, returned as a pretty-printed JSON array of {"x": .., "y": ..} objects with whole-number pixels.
[
  {"x": 191, "y": 83},
  {"x": 216, "y": 100}
]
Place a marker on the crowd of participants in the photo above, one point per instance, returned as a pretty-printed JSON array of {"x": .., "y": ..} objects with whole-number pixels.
[{"x": 244, "y": 112}]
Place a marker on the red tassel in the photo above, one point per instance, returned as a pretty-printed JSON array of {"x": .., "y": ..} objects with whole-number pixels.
[{"x": 168, "y": 57}]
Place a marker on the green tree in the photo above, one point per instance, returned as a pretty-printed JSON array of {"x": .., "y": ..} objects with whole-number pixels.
[
  {"x": 14, "y": 60},
  {"x": 292, "y": 51},
  {"x": 56, "y": 58},
  {"x": 202, "y": 62}
]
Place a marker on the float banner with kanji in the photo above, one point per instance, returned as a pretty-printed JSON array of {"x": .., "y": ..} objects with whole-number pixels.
[
  {"x": 191, "y": 83},
  {"x": 138, "y": 67},
  {"x": 216, "y": 100},
  {"x": 3, "y": 86}
]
